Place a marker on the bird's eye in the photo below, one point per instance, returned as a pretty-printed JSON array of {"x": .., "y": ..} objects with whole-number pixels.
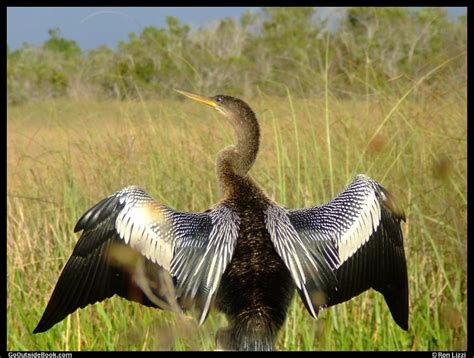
[{"x": 219, "y": 99}]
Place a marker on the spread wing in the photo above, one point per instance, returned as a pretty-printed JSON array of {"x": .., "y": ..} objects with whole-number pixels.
[
  {"x": 135, "y": 247},
  {"x": 341, "y": 249}
]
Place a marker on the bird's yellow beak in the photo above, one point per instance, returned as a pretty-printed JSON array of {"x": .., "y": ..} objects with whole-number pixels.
[{"x": 198, "y": 98}]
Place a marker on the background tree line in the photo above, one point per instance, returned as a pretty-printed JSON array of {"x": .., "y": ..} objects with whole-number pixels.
[{"x": 271, "y": 50}]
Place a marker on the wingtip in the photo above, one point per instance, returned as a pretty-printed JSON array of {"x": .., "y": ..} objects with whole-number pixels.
[
  {"x": 391, "y": 203},
  {"x": 397, "y": 302},
  {"x": 404, "y": 326},
  {"x": 313, "y": 308},
  {"x": 81, "y": 223},
  {"x": 205, "y": 311},
  {"x": 46, "y": 322},
  {"x": 78, "y": 227},
  {"x": 401, "y": 321},
  {"x": 40, "y": 328},
  {"x": 400, "y": 317}
]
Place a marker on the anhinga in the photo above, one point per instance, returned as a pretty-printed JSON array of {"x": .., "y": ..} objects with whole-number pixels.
[{"x": 245, "y": 256}]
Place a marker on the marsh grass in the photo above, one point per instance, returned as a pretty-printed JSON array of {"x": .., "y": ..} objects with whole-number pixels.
[{"x": 64, "y": 156}]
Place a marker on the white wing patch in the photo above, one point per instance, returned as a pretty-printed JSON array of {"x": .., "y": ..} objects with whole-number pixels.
[
  {"x": 144, "y": 226},
  {"x": 361, "y": 229},
  {"x": 285, "y": 238},
  {"x": 292, "y": 250},
  {"x": 222, "y": 241}
]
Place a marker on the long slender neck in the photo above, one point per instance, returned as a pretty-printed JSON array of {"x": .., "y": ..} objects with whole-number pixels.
[
  {"x": 236, "y": 160},
  {"x": 247, "y": 131}
]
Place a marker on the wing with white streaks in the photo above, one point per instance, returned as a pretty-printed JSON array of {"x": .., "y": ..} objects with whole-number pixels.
[
  {"x": 198, "y": 264},
  {"x": 310, "y": 269},
  {"x": 135, "y": 247},
  {"x": 358, "y": 244}
]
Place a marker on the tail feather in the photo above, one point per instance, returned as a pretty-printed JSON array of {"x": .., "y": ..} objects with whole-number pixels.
[{"x": 249, "y": 333}]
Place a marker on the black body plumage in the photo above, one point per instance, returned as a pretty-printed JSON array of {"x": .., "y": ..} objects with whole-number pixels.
[
  {"x": 245, "y": 256},
  {"x": 257, "y": 288}
]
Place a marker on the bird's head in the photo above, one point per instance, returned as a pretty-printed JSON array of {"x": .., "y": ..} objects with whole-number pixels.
[
  {"x": 238, "y": 158},
  {"x": 230, "y": 107}
]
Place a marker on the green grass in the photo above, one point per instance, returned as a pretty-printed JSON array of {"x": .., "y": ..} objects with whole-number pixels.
[{"x": 64, "y": 156}]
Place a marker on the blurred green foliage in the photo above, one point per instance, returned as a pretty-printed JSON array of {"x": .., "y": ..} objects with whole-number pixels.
[{"x": 272, "y": 49}]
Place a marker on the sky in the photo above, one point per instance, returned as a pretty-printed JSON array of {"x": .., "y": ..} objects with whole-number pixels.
[{"x": 91, "y": 27}]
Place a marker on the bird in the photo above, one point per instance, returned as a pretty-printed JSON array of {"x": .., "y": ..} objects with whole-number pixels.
[{"x": 246, "y": 256}]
